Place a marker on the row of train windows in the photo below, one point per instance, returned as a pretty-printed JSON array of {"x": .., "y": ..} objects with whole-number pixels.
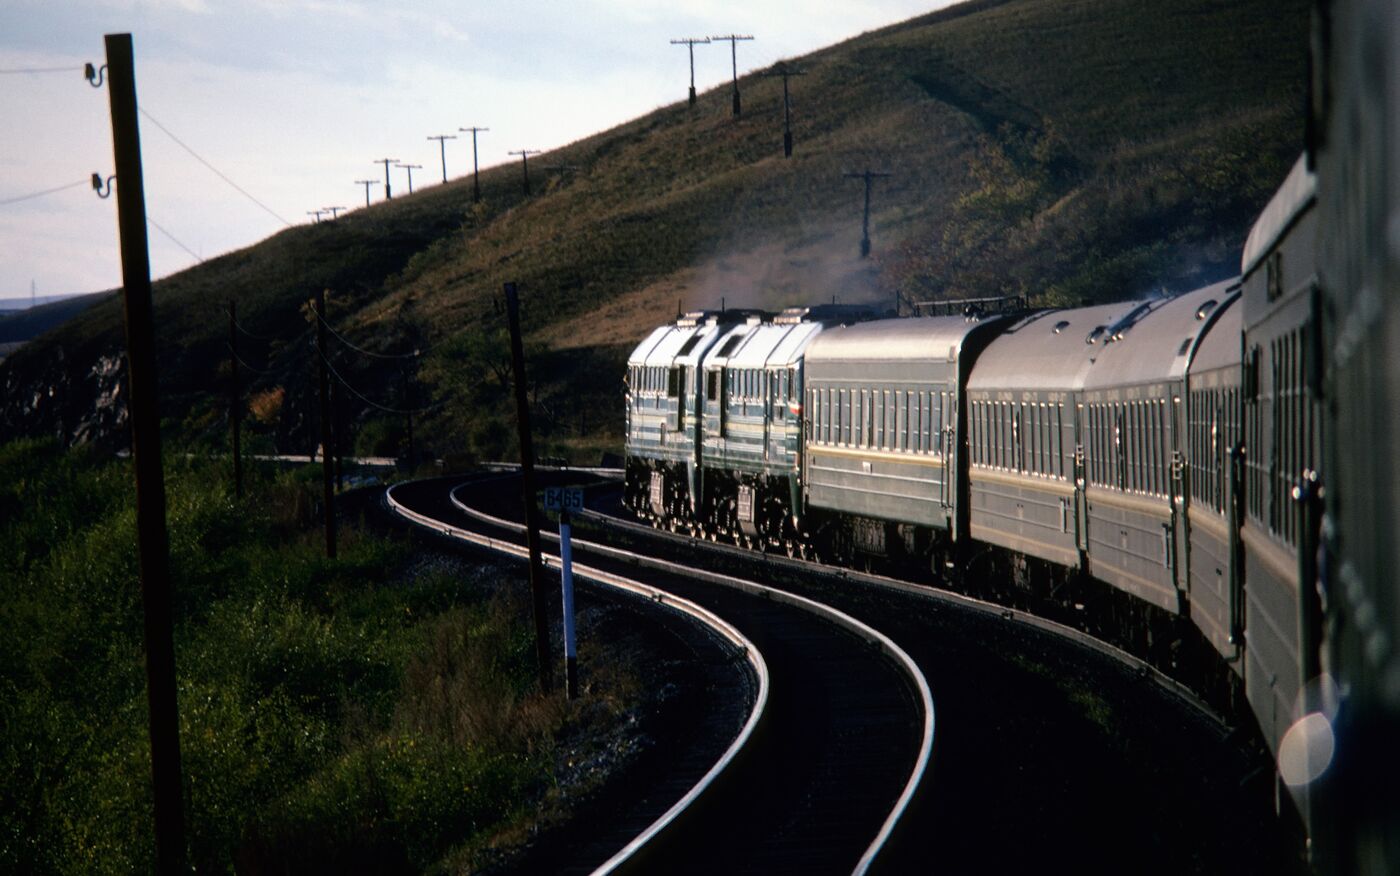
[
  {"x": 1027, "y": 437},
  {"x": 1215, "y": 426},
  {"x": 652, "y": 380},
  {"x": 887, "y": 419},
  {"x": 1289, "y": 410},
  {"x": 1127, "y": 446},
  {"x": 752, "y": 385}
]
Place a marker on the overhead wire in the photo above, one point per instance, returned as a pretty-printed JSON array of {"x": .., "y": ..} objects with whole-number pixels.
[
  {"x": 173, "y": 238},
  {"x": 416, "y": 354},
  {"x": 361, "y": 396},
  {"x": 220, "y": 174},
  {"x": 69, "y": 69},
  {"x": 32, "y": 195}
]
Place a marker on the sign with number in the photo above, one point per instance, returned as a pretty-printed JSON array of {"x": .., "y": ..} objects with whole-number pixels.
[{"x": 568, "y": 499}]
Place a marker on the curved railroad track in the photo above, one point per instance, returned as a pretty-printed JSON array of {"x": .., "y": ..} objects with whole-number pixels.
[{"x": 830, "y": 757}]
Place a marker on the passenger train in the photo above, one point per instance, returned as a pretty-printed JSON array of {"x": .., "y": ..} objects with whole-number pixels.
[{"x": 1208, "y": 478}]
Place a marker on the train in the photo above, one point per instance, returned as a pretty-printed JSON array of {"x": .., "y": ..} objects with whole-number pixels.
[{"x": 1205, "y": 478}]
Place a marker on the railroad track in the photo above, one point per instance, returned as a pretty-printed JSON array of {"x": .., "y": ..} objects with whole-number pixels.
[
  {"x": 1054, "y": 749},
  {"x": 838, "y": 739}
]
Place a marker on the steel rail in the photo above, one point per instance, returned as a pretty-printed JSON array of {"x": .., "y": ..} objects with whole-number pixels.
[
  {"x": 654, "y": 594},
  {"x": 881, "y": 641},
  {"x": 1020, "y": 616}
]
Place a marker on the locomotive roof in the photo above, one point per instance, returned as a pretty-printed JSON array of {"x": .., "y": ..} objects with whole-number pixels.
[
  {"x": 893, "y": 340},
  {"x": 1048, "y": 350},
  {"x": 1158, "y": 347},
  {"x": 665, "y": 344},
  {"x": 763, "y": 345},
  {"x": 1292, "y": 199}
]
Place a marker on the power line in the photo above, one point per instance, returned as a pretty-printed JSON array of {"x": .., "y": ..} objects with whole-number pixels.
[
  {"x": 156, "y": 226},
  {"x": 68, "y": 69},
  {"x": 525, "y": 164},
  {"x": 691, "y": 43},
  {"x": 32, "y": 195},
  {"x": 346, "y": 341},
  {"x": 216, "y": 171},
  {"x": 476, "y": 170},
  {"x": 442, "y": 147},
  {"x": 388, "y": 410},
  {"x": 733, "y": 39}
]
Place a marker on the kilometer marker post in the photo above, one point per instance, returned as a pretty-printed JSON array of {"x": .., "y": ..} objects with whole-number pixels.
[{"x": 566, "y": 574}]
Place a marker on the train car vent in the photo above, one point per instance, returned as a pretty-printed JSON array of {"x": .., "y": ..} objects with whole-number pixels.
[
  {"x": 1204, "y": 310},
  {"x": 1185, "y": 345},
  {"x": 730, "y": 344},
  {"x": 1097, "y": 333},
  {"x": 689, "y": 344},
  {"x": 1061, "y": 326}
]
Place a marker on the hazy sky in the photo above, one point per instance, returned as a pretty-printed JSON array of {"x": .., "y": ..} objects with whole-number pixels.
[{"x": 292, "y": 99}]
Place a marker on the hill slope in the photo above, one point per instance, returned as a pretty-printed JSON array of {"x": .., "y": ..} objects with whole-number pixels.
[{"x": 1068, "y": 150}]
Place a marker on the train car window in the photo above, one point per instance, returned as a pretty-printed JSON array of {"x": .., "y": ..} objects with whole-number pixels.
[
  {"x": 901, "y": 400},
  {"x": 712, "y": 385},
  {"x": 673, "y": 383},
  {"x": 818, "y": 415},
  {"x": 783, "y": 386}
]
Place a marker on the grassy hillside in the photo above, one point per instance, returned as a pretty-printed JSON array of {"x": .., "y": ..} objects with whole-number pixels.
[{"x": 1068, "y": 150}]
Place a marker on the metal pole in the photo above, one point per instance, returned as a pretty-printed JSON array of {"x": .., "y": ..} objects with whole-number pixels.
[
  {"x": 787, "y": 119},
  {"x": 327, "y": 467},
  {"x": 388, "y": 192},
  {"x": 153, "y": 542},
  {"x": 869, "y": 176},
  {"x": 690, "y": 43},
  {"x": 234, "y": 412},
  {"x": 733, "y": 40},
  {"x": 566, "y": 573},
  {"x": 525, "y": 164},
  {"x": 527, "y": 487}
]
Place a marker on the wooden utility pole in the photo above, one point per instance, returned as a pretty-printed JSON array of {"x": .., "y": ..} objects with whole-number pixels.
[
  {"x": 867, "y": 175},
  {"x": 527, "y": 487},
  {"x": 476, "y": 170},
  {"x": 690, "y": 43},
  {"x": 152, "y": 539},
  {"x": 733, "y": 39},
  {"x": 442, "y": 147},
  {"x": 327, "y": 467},
  {"x": 525, "y": 164},
  {"x": 783, "y": 70},
  {"x": 235, "y": 411}
]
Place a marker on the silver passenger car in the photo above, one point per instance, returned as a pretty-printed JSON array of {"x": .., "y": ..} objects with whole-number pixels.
[
  {"x": 1026, "y": 479},
  {"x": 1133, "y": 425},
  {"x": 883, "y": 412}
]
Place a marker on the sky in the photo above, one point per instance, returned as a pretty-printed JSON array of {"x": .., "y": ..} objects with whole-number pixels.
[{"x": 293, "y": 99}]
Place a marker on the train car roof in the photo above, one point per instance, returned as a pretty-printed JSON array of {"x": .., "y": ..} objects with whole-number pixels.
[
  {"x": 894, "y": 340},
  {"x": 1158, "y": 344},
  {"x": 1293, "y": 198},
  {"x": 1049, "y": 349},
  {"x": 1220, "y": 347}
]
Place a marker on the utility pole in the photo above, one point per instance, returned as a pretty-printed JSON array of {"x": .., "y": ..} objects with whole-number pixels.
[
  {"x": 476, "y": 172},
  {"x": 316, "y": 213},
  {"x": 525, "y": 164},
  {"x": 733, "y": 39},
  {"x": 527, "y": 487},
  {"x": 782, "y": 69},
  {"x": 327, "y": 468},
  {"x": 366, "y": 183},
  {"x": 387, "y": 192},
  {"x": 334, "y": 211},
  {"x": 410, "y": 168},
  {"x": 235, "y": 413},
  {"x": 690, "y": 43},
  {"x": 442, "y": 147},
  {"x": 867, "y": 175},
  {"x": 152, "y": 539}
]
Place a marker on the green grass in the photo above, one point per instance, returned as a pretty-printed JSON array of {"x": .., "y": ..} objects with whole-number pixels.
[
  {"x": 1068, "y": 150},
  {"x": 354, "y": 714}
]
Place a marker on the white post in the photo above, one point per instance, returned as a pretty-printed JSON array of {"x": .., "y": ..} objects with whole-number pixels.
[{"x": 566, "y": 568}]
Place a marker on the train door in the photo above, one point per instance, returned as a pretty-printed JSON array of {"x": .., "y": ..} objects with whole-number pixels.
[
  {"x": 1083, "y": 432},
  {"x": 1176, "y": 435},
  {"x": 945, "y": 418}
]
